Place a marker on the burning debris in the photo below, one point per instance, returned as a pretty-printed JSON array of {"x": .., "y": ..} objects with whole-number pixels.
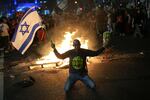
[
  {"x": 45, "y": 65},
  {"x": 51, "y": 60}
]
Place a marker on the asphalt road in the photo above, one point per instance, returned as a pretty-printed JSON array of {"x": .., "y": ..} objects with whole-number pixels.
[
  {"x": 126, "y": 77},
  {"x": 1, "y": 75},
  {"x": 123, "y": 79}
]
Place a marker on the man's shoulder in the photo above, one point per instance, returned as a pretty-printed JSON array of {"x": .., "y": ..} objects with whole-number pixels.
[
  {"x": 81, "y": 49},
  {"x": 73, "y": 50},
  {"x": 84, "y": 49},
  {"x": 69, "y": 51}
]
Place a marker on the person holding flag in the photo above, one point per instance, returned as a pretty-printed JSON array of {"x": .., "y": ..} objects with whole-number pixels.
[{"x": 26, "y": 30}]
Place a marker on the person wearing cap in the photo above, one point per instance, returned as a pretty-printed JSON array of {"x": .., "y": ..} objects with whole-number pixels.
[{"x": 77, "y": 64}]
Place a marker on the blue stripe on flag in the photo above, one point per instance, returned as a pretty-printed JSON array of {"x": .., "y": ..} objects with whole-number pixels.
[
  {"x": 15, "y": 34},
  {"x": 29, "y": 38}
]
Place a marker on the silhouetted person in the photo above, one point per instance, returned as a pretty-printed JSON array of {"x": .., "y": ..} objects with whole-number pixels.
[{"x": 77, "y": 64}]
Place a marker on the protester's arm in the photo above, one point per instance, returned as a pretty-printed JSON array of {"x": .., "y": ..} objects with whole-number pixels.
[
  {"x": 61, "y": 56},
  {"x": 58, "y": 55},
  {"x": 97, "y": 52},
  {"x": 94, "y": 53}
]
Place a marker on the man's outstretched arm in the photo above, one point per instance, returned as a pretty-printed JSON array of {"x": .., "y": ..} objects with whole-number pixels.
[
  {"x": 92, "y": 53},
  {"x": 58, "y": 55},
  {"x": 97, "y": 52}
]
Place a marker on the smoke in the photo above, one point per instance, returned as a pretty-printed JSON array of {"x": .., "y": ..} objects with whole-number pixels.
[{"x": 70, "y": 23}]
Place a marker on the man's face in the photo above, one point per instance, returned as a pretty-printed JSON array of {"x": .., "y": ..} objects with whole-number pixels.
[
  {"x": 76, "y": 44},
  {"x": 77, "y": 47}
]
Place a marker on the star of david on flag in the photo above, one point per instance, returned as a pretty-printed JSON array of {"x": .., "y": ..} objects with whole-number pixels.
[
  {"x": 24, "y": 28},
  {"x": 25, "y": 32}
]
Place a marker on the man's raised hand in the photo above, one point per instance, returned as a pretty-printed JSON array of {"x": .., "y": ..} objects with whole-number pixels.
[{"x": 52, "y": 44}]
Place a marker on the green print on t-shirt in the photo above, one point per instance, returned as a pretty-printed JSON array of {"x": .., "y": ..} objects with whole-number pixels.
[{"x": 77, "y": 62}]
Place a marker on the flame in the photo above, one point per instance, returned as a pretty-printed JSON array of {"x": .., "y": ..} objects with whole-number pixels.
[{"x": 65, "y": 45}]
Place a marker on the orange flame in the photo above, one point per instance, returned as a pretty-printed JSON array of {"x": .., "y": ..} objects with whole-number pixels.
[{"x": 65, "y": 45}]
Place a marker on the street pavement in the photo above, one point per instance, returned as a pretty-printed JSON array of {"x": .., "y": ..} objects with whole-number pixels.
[
  {"x": 1, "y": 74},
  {"x": 1, "y": 86},
  {"x": 120, "y": 74}
]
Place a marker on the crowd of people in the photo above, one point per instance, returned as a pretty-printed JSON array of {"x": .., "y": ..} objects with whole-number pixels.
[{"x": 120, "y": 21}]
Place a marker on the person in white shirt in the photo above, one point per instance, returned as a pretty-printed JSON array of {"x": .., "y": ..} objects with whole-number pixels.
[{"x": 4, "y": 28}]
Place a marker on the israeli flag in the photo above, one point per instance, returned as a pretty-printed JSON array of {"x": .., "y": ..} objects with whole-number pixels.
[{"x": 25, "y": 32}]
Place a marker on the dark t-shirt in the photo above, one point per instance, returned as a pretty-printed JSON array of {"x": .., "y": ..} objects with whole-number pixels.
[{"x": 77, "y": 62}]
